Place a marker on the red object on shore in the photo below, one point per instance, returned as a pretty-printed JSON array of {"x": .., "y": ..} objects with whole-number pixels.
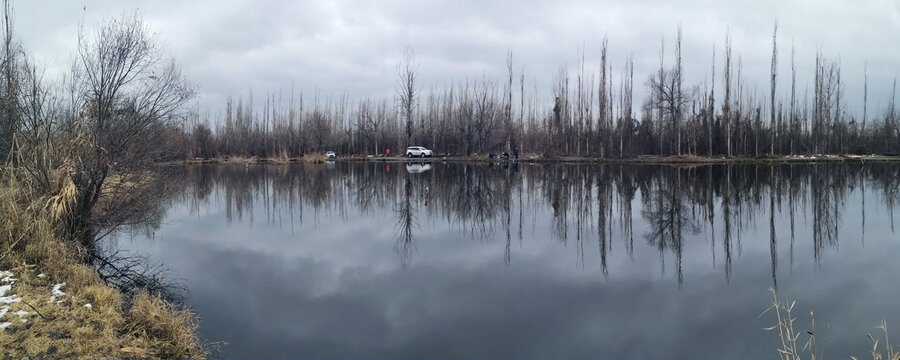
[{"x": 388, "y": 152}]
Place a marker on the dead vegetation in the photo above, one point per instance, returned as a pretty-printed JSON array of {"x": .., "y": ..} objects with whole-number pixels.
[
  {"x": 238, "y": 160},
  {"x": 315, "y": 158},
  {"x": 70, "y": 171},
  {"x": 92, "y": 319},
  {"x": 789, "y": 334}
]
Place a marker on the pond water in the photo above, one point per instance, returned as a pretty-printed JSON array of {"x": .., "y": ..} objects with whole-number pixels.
[{"x": 441, "y": 260}]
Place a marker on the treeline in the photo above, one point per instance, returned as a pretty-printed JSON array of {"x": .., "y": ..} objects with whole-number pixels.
[{"x": 587, "y": 114}]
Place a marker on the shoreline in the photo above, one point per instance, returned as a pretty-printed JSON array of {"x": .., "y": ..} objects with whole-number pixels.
[
  {"x": 540, "y": 159},
  {"x": 54, "y": 305}
]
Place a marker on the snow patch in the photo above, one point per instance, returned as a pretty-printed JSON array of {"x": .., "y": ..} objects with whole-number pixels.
[
  {"x": 4, "y": 325},
  {"x": 22, "y": 313},
  {"x": 42, "y": 275},
  {"x": 88, "y": 306},
  {"x": 7, "y": 277},
  {"x": 56, "y": 292},
  {"x": 3, "y": 310},
  {"x": 8, "y": 299}
]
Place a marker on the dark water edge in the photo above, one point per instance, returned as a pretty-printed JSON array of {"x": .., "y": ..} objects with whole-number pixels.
[{"x": 437, "y": 260}]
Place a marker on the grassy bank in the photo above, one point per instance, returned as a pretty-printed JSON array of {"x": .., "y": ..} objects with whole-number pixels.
[
  {"x": 280, "y": 159},
  {"x": 52, "y": 305}
]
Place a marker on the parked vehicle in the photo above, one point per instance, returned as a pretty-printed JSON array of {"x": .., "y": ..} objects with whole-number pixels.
[
  {"x": 417, "y": 151},
  {"x": 330, "y": 154}
]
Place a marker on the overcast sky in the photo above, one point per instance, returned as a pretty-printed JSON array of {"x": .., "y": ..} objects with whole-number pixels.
[{"x": 229, "y": 47}]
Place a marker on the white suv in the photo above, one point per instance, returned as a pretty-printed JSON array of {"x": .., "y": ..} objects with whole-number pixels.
[{"x": 419, "y": 151}]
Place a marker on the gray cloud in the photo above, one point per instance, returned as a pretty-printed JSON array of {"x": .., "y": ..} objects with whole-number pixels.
[{"x": 229, "y": 47}]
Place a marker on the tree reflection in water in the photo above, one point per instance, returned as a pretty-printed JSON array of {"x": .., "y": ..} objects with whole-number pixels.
[
  {"x": 405, "y": 223},
  {"x": 496, "y": 202}
]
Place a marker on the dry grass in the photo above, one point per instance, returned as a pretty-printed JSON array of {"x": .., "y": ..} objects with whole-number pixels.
[
  {"x": 359, "y": 158},
  {"x": 65, "y": 328},
  {"x": 202, "y": 161},
  {"x": 238, "y": 160},
  {"x": 282, "y": 157},
  {"x": 315, "y": 158},
  {"x": 467, "y": 158},
  {"x": 786, "y": 330},
  {"x": 155, "y": 324},
  {"x": 92, "y": 321},
  {"x": 685, "y": 159},
  {"x": 25, "y": 235},
  {"x": 789, "y": 334}
]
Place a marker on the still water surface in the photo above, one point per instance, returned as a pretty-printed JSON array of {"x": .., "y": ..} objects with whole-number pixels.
[{"x": 394, "y": 260}]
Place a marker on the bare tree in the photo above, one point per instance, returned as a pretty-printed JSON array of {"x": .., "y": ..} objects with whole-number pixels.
[
  {"x": 128, "y": 91},
  {"x": 202, "y": 139},
  {"x": 726, "y": 105},
  {"x": 507, "y": 118},
  {"x": 603, "y": 99},
  {"x": 793, "y": 115},
  {"x": 659, "y": 86},
  {"x": 679, "y": 97},
  {"x": 628, "y": 98},
  {"x": 670, "y": 98},
  {"x": 407, "y": 90},
  {"x": 10, "y": 122},
  {"x": 478, "y": 116},
  {"x": 712, "y": 101},
  {"x": 865, "y": 96},
  {"x": 891, "y": 119},
  {"x": 773, "y": 123}
]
